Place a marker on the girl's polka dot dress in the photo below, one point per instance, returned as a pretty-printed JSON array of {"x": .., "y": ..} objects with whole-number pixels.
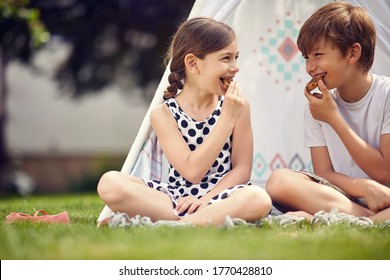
[{"x": 194, "y": 133}]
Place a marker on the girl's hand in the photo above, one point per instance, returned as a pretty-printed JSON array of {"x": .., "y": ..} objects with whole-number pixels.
[
  {"x": 324, "y": 108},
  {"x": 189, "y": 204},
  {"x": 234, "y": 101}
]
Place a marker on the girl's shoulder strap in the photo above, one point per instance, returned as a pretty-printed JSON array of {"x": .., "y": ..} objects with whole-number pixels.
[{"x": 173, "y": 106}]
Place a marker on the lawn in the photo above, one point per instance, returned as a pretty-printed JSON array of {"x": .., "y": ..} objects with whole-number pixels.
[{"x": 82, "y": 240}]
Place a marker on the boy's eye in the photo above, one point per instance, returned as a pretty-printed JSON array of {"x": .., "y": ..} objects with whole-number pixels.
[{"x": 316, "y": 55}]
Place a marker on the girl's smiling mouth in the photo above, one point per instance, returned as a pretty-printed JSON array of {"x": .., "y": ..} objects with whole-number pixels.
[{"x": 226, "y": 82}]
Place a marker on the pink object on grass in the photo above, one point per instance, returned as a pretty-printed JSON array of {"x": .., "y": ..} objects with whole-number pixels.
[{"x": 61, "y": 218}]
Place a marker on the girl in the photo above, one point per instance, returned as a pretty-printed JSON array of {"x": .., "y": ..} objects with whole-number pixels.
[{"x": 204, "y": 129}]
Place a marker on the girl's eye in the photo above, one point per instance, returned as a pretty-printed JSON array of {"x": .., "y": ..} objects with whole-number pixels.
[{"x": 230, "y": 57}]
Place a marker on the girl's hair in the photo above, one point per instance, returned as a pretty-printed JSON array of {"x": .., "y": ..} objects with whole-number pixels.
[
  {"x": 343, "y": 24},
  {"x": 199, "y": 36}
]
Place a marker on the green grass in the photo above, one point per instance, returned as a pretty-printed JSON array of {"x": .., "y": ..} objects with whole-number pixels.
[{"x": 83, "y": 240}]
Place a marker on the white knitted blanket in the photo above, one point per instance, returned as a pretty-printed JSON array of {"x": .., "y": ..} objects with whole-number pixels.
[{"x": 321, "y": 218}]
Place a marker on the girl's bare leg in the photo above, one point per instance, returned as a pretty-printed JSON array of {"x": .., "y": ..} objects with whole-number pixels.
[
  {"x": 128, "y": 194},
  {"x": 298, "y": 192},
  {"x": 250, "y": 204}
]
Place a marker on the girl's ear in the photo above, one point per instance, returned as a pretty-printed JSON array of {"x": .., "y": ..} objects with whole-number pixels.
[
  {"x": 190, "y": 61},
  {"x": 355, "y": 52}
]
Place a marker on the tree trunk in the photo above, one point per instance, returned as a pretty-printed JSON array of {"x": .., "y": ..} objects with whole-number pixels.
[{"x": 4, "y": 159}]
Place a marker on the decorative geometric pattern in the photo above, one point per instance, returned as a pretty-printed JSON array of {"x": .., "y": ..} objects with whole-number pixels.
[
  {"x": 282, "y": 68},
  {"x": 261, "y": 170},
  {"x": 259, "y": 165},
  {"x": 310, "y": 166},
  {"x": 288, "y": 49},
  {"x": 282, "y": 54},
  {"x": 296, "y": 163},
  {"x": 277, "y": 163}
]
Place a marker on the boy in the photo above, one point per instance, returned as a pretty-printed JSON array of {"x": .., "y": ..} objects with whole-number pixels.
[{"x": 347, "y": 127}]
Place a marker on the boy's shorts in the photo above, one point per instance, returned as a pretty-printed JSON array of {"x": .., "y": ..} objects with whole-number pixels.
[{"x": 322, "y": 181}]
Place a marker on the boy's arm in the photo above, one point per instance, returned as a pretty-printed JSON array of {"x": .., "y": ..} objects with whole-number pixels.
[
  {"x": 374, "y": 162},
  {"x": 377, "y": 196}
]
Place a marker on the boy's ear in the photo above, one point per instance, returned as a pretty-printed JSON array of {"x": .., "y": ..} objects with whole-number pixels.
[
  {"x": 190, "y": 61},
  {"x": 355, "y": 52}
]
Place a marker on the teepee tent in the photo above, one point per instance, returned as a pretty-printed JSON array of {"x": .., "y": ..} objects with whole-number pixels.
[{"x": 272, "y": 76}]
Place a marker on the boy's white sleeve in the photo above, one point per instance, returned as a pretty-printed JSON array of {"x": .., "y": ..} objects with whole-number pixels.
[
  {"x": 314, "y": 135},
  {"x": 386, "y": 117}
]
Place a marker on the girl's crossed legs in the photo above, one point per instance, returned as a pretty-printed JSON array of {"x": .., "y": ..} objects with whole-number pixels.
[{"x": 130, "y": 195}]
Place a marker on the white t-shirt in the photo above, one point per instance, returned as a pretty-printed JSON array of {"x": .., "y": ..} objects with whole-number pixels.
[{"x": 369, "y": 118}]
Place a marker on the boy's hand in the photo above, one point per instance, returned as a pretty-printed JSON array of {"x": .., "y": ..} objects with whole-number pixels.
[
  {"x": 377, "y": 195},
  {"x": 324, "y": 108}
]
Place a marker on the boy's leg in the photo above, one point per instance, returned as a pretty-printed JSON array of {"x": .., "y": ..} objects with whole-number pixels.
[
  {"x": 302, "y": 214},
  {"x": 250, "y": 204},
  {"x": 382, "y": 215},
  {"x": 128, "y": 194},
  {"x": 296, "y": 191}
]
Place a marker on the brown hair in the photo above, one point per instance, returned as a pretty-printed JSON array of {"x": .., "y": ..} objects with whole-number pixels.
[
  {"x": 343, "y": 24},
  {"x": 199, "y": 36}
]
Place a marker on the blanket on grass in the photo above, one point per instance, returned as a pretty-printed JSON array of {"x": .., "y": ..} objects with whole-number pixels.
[{"x": 321, "y": 218}]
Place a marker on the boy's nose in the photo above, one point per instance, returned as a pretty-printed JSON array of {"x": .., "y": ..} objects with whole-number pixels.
[{"x": 310, "y": 66}]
